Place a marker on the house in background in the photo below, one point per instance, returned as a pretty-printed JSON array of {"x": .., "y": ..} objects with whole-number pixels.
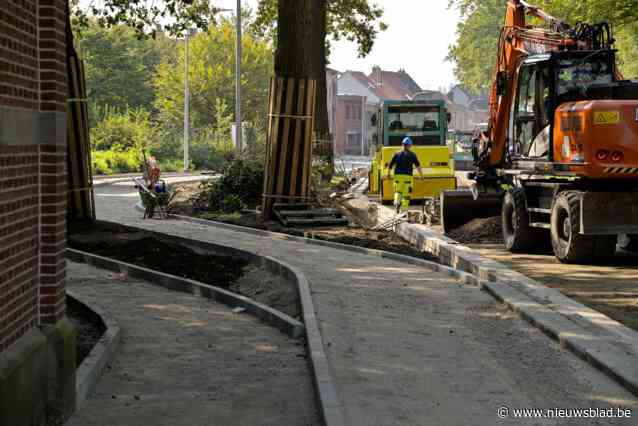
[
  {"x": 464, "y": 109},
  {"x": 358, "y": 100},
  {"x": 359, "y": 97}
]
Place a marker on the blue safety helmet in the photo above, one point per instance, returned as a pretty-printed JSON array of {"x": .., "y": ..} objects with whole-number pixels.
[{"x": 407, "y": 141}]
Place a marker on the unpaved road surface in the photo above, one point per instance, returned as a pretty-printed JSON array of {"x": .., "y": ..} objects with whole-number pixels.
[
  {"x": 611, "y": 287},
  {"x": 186, "y": 361},
  {"x": 408, "y": 346}
]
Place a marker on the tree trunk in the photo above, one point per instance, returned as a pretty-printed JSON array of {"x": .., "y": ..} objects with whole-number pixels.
[
  {"x": 301, "y": 49},
  {"x": 300, "y": 66}
]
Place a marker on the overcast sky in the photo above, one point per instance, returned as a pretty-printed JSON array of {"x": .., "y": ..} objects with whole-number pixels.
[{"x": 417, "y": 40}]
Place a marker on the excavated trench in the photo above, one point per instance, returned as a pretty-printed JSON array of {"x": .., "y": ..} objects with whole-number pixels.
[{"x": 165, "y": 255}]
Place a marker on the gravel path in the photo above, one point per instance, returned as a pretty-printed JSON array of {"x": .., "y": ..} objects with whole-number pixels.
[
  {"x": 411, "y": 347},
  {"x": 184, "y": 360}
]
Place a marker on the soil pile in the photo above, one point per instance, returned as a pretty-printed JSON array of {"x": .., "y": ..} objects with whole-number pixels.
[
  {"x": 162, "y": 255},
  {"x": 479, "y": 231}
]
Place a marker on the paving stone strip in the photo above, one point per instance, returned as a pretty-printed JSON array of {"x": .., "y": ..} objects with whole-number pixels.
[
  {"x": 411, "y": 346},
  {"x": 184, "y": 360}
]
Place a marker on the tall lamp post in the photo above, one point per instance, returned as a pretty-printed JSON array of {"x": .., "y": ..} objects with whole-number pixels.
[
  {"x": 238, "y": 129},
  {"x": 186, "y": 105}
]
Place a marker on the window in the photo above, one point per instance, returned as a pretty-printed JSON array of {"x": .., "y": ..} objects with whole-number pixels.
[
  {"x": 347, "y": 112},
  {"x": 420, "y": 123},
  {"x": 533, "y": 105},
  {"x": 575, "y": 76},
  {"x": 353, "y": 144}
]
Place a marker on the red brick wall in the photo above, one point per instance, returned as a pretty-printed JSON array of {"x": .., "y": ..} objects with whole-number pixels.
[
  {"x": 32, "y": 165},
  {"x": 19, "y": 221}
]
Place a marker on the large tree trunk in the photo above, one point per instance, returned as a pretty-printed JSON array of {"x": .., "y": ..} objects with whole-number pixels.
[
  {"x": 301, "y": 49},
  {"x": 300, "y": 67}
]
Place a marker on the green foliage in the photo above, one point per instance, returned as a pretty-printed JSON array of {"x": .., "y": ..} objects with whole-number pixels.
[
  {"x": 240, "y": 185},
  {"x": 130, "y": 130},
  {"x": 110, "y": 162},
  {"x": 211, "y": 146},
  {"x": 212, "y": 78},
  {"x": 120, "y": 66},
  {"x": 354, "y": 20},
  {"x": 474, "y": 52},
  {"x": 172, "y": 16}
]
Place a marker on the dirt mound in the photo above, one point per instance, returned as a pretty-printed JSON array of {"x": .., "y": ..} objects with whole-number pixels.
[
  {"x": 479, "y": 231},
  {"x": 161, "y": 255}
]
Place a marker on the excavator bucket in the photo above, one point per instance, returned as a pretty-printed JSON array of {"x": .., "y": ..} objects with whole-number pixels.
[{"x": 460, "y": 207}]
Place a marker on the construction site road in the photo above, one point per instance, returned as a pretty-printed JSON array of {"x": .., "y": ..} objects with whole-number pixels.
[
  {"x": 408, "y": 346},
  {"x": 610, "y": 287}
]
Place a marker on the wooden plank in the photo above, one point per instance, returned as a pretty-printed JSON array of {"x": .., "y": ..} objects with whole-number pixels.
[
  {"x": 310, "y": 213},
  {"x": 272, "y": 96},
  {"x": 285, "y": 138},
  {"x": 316, "y": 222},
  {"x": 307, "y": 160},
  {"x": 73, "y": 150},
  {"x": 297, "y": 165},
  {"x": 273, "y": 146}
]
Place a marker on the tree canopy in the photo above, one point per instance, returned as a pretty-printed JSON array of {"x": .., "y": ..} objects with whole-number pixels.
[
  {"x": 211, "y": 78},
  {"x": 120, "y": 66},
  {"x": 474, "y": 52},
  {"x": 355, "y": 20}
]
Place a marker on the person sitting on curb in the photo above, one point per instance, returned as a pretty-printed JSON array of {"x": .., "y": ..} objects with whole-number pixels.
[{"x": 403, "y": 163}]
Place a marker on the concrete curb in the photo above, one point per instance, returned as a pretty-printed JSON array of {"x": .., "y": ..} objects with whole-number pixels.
[
  {"x": 102, "y": 354},
  {"x": 463, "y": 276},
  {"x": 188, "y": 178},
  {"x": 326, "y": 392},
  {"x": 277, "y": 319},
  {"x": 603, "y": 342}
]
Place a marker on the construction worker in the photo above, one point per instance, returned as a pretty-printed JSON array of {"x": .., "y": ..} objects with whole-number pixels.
[{"x": 403, "y": 163}]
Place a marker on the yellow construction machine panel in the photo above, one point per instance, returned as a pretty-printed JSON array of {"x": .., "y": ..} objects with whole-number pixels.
[
  {"x": 373, "y": 177},
  {"x": 437, "y": 166}
]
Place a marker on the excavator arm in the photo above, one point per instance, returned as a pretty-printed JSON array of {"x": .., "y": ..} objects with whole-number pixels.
[{"x": 516, "y": 41}]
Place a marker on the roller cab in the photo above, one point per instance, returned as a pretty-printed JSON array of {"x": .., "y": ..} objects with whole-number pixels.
[{"x": 425, "y": 122}]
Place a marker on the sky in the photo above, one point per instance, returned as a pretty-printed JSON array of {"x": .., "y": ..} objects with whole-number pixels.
[{"x": 417, "y": 40}]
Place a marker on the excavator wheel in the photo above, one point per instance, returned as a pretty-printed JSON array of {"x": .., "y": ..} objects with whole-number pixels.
[
  {"x": 568, "y": 244},
  {"x": 628, "y": 242},
  {"x": 517, "y": 234}
]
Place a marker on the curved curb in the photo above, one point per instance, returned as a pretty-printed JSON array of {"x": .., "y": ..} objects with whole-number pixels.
[
  {"x": 327, "y": 398},
  {"x": 102, "y": 354},
  {"x": 465, "y": 277},
  {"x": 288, "y": 325}
]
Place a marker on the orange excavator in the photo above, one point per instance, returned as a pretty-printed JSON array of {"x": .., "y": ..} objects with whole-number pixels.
[{"x": 559, "y": 160}]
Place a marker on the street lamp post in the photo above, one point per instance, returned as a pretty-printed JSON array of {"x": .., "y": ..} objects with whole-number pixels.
[
  {"x": 238, "y": 129},
  {"x": 186, "y": 105}
]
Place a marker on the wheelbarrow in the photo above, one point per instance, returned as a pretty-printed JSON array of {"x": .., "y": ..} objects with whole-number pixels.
[{"x": 155, "y": 200}]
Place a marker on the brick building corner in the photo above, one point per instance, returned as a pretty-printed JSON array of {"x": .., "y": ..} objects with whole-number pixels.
[{"x": 37, "y": 341}]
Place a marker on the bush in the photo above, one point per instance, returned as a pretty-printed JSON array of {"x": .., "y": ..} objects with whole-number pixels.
[
  {"x": 240, "y": 185},
  {"x": 130, "y": 130},
  {"x": 109, "y": 162}
]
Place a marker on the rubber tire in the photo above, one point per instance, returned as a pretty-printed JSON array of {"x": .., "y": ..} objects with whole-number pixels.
[
  {"x": 517, "y": 234},
  {"x": 628, "y": 242},
  {"x": 576, "y": 248}
]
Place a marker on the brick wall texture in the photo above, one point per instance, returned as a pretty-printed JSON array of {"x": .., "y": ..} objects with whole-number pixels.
[{"x": 32, "y": 175}]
